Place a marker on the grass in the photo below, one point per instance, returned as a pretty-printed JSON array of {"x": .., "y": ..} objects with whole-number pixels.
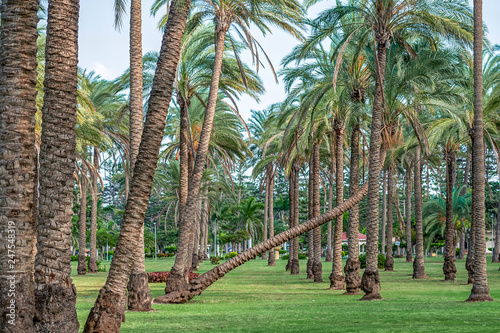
[{"x": 258, "y": 298}]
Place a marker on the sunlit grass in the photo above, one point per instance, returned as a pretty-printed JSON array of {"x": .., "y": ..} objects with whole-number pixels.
[{"x": 258, "y": 298}]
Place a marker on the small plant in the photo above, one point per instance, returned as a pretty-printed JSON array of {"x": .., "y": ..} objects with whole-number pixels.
[
  {"x": 301, "y": 256},
  {"x": 214, "y": 260},
  {"x": 74, "y": 258},
  {"x": 171, "y": 249},
  {"x": 282, "y": 251},
  {"x": 230, "y": 255},
  {"x": 285, "y": 257},
  {"x": 380, "y": 260}
]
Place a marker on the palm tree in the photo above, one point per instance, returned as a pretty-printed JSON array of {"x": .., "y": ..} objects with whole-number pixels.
[
  {"x": 285, "y": 14},
  {"x": 55, "y": 295},
  {"x": 384, "y": 21},
  {"x": 480, "y": 289},
  {"x": 418, "y": 263},
  {"x": 82, "y": 240},
  {"x": 107, "y": 313},
  {"x": 18, "y": 39},
  {"x": 389, "y": 261}
]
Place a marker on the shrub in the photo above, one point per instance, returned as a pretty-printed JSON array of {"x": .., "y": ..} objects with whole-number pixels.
[
  {"x": 171, "y": 249},
  {"x": 285, "y": 257},
  {"x": 381, "y": 260},
  {"x": 159, "y": 277},
  {"x": 74, "y": 258},
  {"x": 282, "y": 251},
  {"x": 230, "y": 255},
  {"x": 215, "y": 260},
  {"x": 344, "y": 253},
  {"x": 301, "y": 256}
]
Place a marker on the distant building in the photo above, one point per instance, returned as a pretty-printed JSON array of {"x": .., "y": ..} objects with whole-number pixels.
[{"x": 362, "y": 241}]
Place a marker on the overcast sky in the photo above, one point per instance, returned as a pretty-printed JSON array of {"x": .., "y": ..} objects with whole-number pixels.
[{"x": 106, "y": 51}]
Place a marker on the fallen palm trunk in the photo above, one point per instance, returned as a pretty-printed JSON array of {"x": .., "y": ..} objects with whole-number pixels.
[{"x": 197, "y": 286}]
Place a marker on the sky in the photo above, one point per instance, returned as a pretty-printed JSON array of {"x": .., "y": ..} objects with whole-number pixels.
[{"x": 106, "y": 51}]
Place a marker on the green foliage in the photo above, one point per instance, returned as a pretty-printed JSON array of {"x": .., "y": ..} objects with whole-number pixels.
[
  {"x": 214, "y": 260},
  {"x": 230, "y": 255},
  {"x": 380, "y": 261},
  {"x": 171, "y": 249}
]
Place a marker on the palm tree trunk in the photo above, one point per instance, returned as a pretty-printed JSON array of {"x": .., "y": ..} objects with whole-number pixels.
[
  {"x": 310, "y": 213},
  {"x": 352, "y": 266},
  {"x": 291, "y": 219},
  {"x": 82, "y": 264},
  {"x": 55, "y": 294},
  {"x": 461, "y": 253},
  {"x": 496, "y": 249},
  {"x": 336, "y": 277},
  {"x": 107, "y": 313},
  {"x": 317, "y": 266},
  {"x": 480, "y": 289},
  {"x": 272, "y": 259},
  {"x": 266, "y": 206},
  {"x": 195, "y": 263},
  {"x": 178, "y": 279},
  {"x": 294, "y": 264},
  {"x": 93, "y": 216},
  {"x": 449, "y": 268},
  {"x": 329, "y": 240},
  {"x": 389, "y": 261},
  {"x": 409, "y": 246},
  {"x": 418, "y": 263},
  {"x": 370, "y": 282},
  {"x": 384, "y": 210}
]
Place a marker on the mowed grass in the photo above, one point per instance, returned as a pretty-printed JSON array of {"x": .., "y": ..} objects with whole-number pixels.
[{"x": 258, "y": 298}]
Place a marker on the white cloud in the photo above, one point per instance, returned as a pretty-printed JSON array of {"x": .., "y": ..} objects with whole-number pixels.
[{"x": 102, "y": 70}]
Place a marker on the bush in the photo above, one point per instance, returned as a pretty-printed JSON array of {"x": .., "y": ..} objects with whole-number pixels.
[
  {"x": 171, "y": 249},
  {"x": 74, "y": 258},
  {"x": 285, "y": 257},
  {"x": 381, "y": 260},
  {"x": 282, "y": 251},
  {"x": 164, "y": 255},
  {"x": 301, "y": 256},
  {"x": 344, "y": 253},
  {"x": 215, "y": 260},
  {"x": 159, "y": 277},
  {"x": 230, "y": 255},
  {"x": 457, "y": 252}
]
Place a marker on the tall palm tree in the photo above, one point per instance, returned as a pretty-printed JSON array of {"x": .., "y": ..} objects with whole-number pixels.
[
  {"x": 55, "y": 294},
  {"x": 418, "y": 263},
  {"x": 107, "y": 313},
  {"x": 480, "y": 289},
  {"x": 285, "y": 14},
  {"x": 18, "y": 40},
  {"x": 389, "y": 261},
  {"x": 82, "y": 240},
  {"x": 383, "y": 21}
]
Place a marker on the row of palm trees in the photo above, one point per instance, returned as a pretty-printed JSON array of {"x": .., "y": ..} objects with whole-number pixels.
[{"x": 392, "y": 57}]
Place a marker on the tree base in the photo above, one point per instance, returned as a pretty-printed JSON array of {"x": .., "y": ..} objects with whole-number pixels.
[
  {"x": 449, "y": 269},
  {"x": 177, "y": 281},
  {"x": 271, "y": 261},
  {"x": 370, "y": 284},
  {"x": 309, "y": 269},
  {"x": 195, "y": 263},
  {"x": 82, "y": 265},
  {"x": 288, "y": 265},
  {"x": 294, "y": 267},
  {"x": 139, "y": 295},
  {"x": 352, "y": 279},
  {"x": 336, "y": 281},
  {"x": 317, "y": 270},
  {"x": 92, "y": 265},
  {"x": 418, "y": 271},
  {"x": 55, "y": 308},
  {"x": 24, "y": 300},
  {"x": 389, "y": 264},
  {"x": 107, "y": 314},
  {"x": 480, "y": 294},
  {"x": 409, "y": 258}
]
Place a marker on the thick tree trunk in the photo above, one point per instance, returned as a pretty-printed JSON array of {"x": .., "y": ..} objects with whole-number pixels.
[
  {"x": 291, "y": 202},
  {"x": 384, "y": 211},
  {"x": 195, "y": 264},
  {"x": 480, "y": 289},
  {"x": 352, "y": 266},
  {"x": 272, "y": 259},
  {"x": 461, "y": 253},
  {"x": 197, "y": 286},
  {"x": 93, "y": 216},
  {"x": 178, "y": 278},
  {"x": 317, "y": 267},
  {"x": 336, "y": 277},
  {"x": 329, "y": 240},
  {"x": 55, "y": 294},
  {"x": 496, "y": 249},
  {"x": 266, "y": 204},
  {"x": 449, "y": 268},
  {"x": 370, "y": 282},
  {"x": 409, "y": 246},
  {"x": 294, "y": 263},
  {"x": 107, "y": 313},
  {"x": 418, "y": 263},
  {"x": 82, "y": 239},
  {"x": 310, "y": 213},
  {"x": 389, "y": 260}
]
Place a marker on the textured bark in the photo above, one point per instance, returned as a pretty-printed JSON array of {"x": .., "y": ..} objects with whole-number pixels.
[
  {"x": 266, "y": 204},
  {"x": 198, "y": 285},
  {"x": 418, "y": 263},
  {"x": 107, "y": 313},
  {"x": 196, "y": 238},
  {"x": 496, "y": 249},
  {"x": 291, "y": 201},
  {"x": 449, "y": 268},
  {"x": 93, "y": 216},
  {"x": 409, "y": 246},
  {"x": 179, "y": 271},
  {"x": 352, "y": 266},
  {"x": 82, "y": 264},
  {"x": 272, "y": 259},
  {"x": 389, "y": 260},
  {"x": 17, "y": 161},
  {"x": 370, "y": 282},
  {"x": 384, "y": 211},
  {"x": 294, "y": 262},
  {"x": 55, "y": 294},
  {"x": 336, "y": 277},
  {"x": 461, "y": 253},
  {"x": 317, "y": 267},
  {"x": 480, "y": 289},
  {"x": 329, "y": 240},
  {"x": 310, "y": 213}
]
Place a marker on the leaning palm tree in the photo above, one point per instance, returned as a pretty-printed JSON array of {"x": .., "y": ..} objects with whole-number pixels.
[
  {"x": 17, "y": 147},
  {"x": 480, "y": 289},
  {"x": 107, "y": 313},
  {"x": 383, "y": 21},
  {"x": 226, "y": 14}
]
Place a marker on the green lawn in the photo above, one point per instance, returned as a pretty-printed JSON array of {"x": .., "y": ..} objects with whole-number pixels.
[{"x": 258, "y": 298}]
